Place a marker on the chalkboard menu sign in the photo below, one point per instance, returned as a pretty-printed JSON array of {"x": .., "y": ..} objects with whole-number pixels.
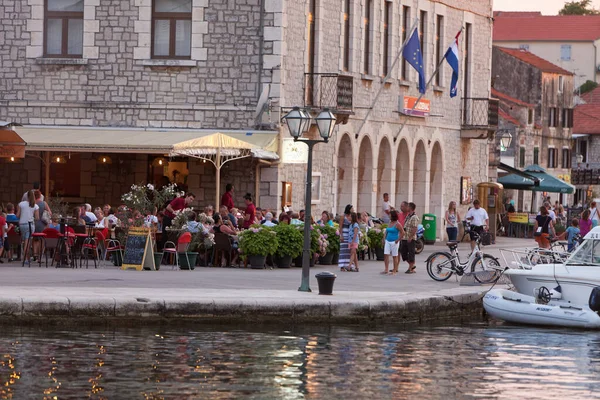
[{"x": 138, "y": 252}]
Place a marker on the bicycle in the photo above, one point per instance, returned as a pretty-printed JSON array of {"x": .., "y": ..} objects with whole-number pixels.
[{"x": 442, "y": 265}]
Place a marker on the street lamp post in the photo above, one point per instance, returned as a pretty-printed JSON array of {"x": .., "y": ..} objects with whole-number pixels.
[{"x": 299, "y": 121}]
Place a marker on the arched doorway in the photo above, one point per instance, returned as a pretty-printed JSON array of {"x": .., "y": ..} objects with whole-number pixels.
[
  {"x": 420, "y": 178},
  {"x": 345, "y": 173},
  {"x": 384, "y": 174},
  {"x": 436, "y": 172},
  {"x": 402, "y": 173},
  {"x": 365, "y": 177}
]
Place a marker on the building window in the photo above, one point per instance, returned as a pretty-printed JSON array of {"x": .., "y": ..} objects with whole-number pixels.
[
  {"x": 439, "y": 33},
  {"x": 346, "y": 35},
  {"x": 422, "y": 37},
  {"x": 524, "y": 47},
  {"x": 387, "y": 21},
  {"x": 530, "y": 116},
  {"x": 312, "y": 41},
  {"x": 467, "y": 68},
  {"x": 566, "y": 158},
  {"x": 565, "y": 52},
  {"x": 405, "y": 28},
  {"x": 583, "y": 150},
  {"x": 536, "y": 155},
  {"x": 367, "y": 47},
  {"x": 63, "y": 28},
  {"x": 561, "y": 84},
  {"x": 552, "y": 117},
  {"x": 522, "y": 157},
  {"x": 552, "y": 158},
  {"x": 172, "y": 28}
]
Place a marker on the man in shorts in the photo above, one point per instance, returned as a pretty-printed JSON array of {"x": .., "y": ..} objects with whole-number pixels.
[
  {"x": 479, "y": 220},
  {"x": 407, "y": 249}
]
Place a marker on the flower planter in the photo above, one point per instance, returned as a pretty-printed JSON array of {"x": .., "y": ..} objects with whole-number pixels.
[
  {"x": 257, "y": 262},
  {"x": 187, "y": 260},
  {"x": 283, "y": 262},
  {"x": 327, "y": 259},
  {"x": 379, "y": 254},
  {"x": 336, "y": 259},
  {"x": 157, "y": 260}
]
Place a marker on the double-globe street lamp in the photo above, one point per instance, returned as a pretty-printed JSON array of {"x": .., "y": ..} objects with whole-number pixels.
[{"x": 299, "y": 121}]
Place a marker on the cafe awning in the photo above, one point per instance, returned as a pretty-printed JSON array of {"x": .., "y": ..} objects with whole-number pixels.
[
  {"x": 11, "y": 144},
  {"x": 139, "y": 140},
  {"x": 547, "y": 182}
]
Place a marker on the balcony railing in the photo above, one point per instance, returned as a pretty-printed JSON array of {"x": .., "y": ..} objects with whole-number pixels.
[
  {"x": 333, "y": 91},
  {"x": 587, "y": 176},
  {"x": 479, "y": 113}
]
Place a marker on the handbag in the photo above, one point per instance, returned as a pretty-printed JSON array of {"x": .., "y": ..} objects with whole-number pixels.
[
  {"x": 46, "y": 217},
  {"x": 538, "y": 231}
]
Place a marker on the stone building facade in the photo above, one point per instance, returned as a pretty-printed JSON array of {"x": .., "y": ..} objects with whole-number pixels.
[
  {"x": 546, "y": 96},
  {"x": 234, "y": 51}
]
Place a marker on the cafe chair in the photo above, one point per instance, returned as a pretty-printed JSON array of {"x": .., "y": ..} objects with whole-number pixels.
[
  {"x": 51, "y": 244},
  {"x": 183, "y": 243},
  {"x": 223, "y": 248},
  {"x": 107, "y": 246}
]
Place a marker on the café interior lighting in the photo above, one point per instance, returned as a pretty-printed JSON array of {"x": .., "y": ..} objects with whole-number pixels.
[{"x": 104, "y": 159}]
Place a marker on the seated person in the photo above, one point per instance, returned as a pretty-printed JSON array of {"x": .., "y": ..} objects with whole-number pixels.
[
  {"x": 296, "y": 219},
  {"x": 220, "y": 227},
  {"x": 268, "y": 221},
  {"x": 193, "y": 226},
  {"x": 325, "y": 219},
  {"x": 78, "y": 214},
  {"x": 54, "y": 223},
  {"x": 226, "y": 215}
]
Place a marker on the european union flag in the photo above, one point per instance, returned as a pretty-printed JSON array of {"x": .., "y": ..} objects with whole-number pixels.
[{"x": 412, "y": 54}]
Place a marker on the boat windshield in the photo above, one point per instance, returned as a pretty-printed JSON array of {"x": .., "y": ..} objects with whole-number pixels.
[{"x": 588, "y": 253}]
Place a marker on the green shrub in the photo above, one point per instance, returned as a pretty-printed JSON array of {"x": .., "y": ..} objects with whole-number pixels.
[
  {"x": 258, "y": 241},
  {"x": 290, "y": 240},
  {"x": 375, "y": 237}
]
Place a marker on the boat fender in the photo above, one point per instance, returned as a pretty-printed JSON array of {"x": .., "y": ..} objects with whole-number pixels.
[{"x": 594, "y": 301}]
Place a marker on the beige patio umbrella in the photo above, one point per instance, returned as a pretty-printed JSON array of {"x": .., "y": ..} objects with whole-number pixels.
[{"x": 218, "y": 148}]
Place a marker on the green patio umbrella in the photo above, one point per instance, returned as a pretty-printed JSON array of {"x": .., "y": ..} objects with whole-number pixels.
[{"x": 548, "y": 183}]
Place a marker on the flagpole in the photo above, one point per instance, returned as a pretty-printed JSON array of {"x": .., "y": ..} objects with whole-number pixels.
[
  {"x": 437, "y": 70},
  {"x": 389, "y": 74}
]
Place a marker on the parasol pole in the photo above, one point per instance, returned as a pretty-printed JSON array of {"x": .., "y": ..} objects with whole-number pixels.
[{"x": 218, "y": 178}]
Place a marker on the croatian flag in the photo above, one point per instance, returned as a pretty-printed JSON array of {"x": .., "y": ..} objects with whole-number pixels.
[{"x": 452, "y": 58}]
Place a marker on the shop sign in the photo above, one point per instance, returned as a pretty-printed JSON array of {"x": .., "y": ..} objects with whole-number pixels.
[
  {"x": 294, "y": 152},
  {"x": 518, "y": 218},
  {"x": 422, "y": 109}
]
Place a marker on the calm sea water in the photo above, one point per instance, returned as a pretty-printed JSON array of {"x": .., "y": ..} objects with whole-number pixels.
[{"x": 467, "y": 361}]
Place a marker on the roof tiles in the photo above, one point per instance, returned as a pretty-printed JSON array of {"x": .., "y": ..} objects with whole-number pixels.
[
  {"x": 538, "y": 62},
  {"x": 545, "y": 28}
]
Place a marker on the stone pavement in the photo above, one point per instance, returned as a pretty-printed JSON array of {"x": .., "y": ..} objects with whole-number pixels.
[{"x": 230, "y": 293}]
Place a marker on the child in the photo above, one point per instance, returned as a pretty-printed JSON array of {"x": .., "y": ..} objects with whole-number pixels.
[
  {"x": 571, "y": 232},
  {"x": 54, "y": 223},
  {"x": 353, "y": 237},
  {"x": 193, "y": 226}
]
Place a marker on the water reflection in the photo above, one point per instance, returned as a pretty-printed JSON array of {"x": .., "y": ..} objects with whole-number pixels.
[{"x": 469, "y": 361}]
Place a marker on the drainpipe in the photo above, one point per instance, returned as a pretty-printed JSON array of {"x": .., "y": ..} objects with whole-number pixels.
[{"x": 261, "y": 35}]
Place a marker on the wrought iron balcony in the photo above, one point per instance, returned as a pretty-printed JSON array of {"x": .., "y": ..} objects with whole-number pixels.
[
  {"x": 479, "y": 114},
  {"x": 333, "y": 91},
  {"x": 585, "y": 176}
]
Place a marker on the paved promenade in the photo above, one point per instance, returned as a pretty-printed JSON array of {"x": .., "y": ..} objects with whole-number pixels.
[{"x": 230, "y": 293}]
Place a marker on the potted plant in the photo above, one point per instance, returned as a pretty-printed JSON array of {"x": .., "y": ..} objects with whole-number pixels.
[
  {"x": 201, "y": 244},
  {"x": 316, "y": 245},
  {"x": 290, "y": 242},
  {"x": 332, "y": 236},
  {"x": 256, "y": 244},
  {"x": 375, "y": 240}
]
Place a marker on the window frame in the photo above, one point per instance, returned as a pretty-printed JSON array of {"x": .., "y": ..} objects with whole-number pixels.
[
  {"x": 521, "y": 157},
  {"x": 388, "y": 12},
  {"x": 172, "y": 18},
  {"x": 423, "y": 32},
  {"x": 536, "y": 155},
  {"x": 552, "y": 157},
  {"x": 367, "y": 37},
  {"x": 564, "y": 47},
  {"x": 64, "y": 16},
  {"x": 439, "y": 32},
  {"x": 405, "y": 28},
  {"x": 566, "y": 158},
  {"x": 346, "y": 42}
]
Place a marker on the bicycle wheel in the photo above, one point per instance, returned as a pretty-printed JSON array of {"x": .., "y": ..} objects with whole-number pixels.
[
  {"x": 486, "y": 269},
  {"x": 439, "y": 266}
]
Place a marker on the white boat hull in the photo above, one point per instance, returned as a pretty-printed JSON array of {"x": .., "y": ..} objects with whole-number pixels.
[
  {"x": 519, "y": 308},
  {"x": 576, "y": 282}
]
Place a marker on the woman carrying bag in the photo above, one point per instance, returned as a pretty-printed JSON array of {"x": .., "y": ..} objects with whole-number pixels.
[
  {"x": 27, "y": 212},
  {"x": 543, "y": 228}
]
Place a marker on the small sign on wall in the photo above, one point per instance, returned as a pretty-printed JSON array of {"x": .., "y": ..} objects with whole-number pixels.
[
  {"x": 294, "y": 152},
  {"x": 466, "y": 190}
]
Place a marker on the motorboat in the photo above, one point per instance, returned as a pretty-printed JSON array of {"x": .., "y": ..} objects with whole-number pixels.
[
  {"x": 542, "y": 309},
  {"x": 577, "y": 276}
]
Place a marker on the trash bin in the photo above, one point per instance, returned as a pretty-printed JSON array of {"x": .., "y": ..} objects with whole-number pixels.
[
  {"x": 325, "y": 281},
  {"x": 430, "y": 225}
]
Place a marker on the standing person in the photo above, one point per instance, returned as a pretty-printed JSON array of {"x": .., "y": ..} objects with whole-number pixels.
[
  {"x": 344, "y": 258},
  {"x": 403, "y": 212},
  {"x": 41, "y": 224},
  {"x": 410, "y": 235},
  {"x": 227, "y": 198},
  {"x": 452, "y": 218},
  {"x": 585, "y": 223},
  {"x": 570, "y": 234},
  {"x": 250, "y": 215},
  {"x": 594, "y": 214},
  {"x": 542, "y": 228},
  {"x": 386, "y": 209},
  {"x": 175, "y": 205},
  {"x": 479, "y": 221},
  {"x": 353, "y": 237},
  {"x": 391, "y": 243},
  {"x": 36, "y": 186},
  {"x": 27, "y": 212}
]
